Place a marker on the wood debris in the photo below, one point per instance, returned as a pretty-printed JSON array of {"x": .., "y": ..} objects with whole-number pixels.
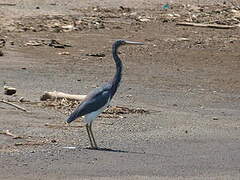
[
  {"x": 48, "y": 42},
  {"x": 67, "y": 106},
  {"x": 124, "y": 110},
  {"x": 8, "y": 133},
  {"x": 59, "y": 95}
]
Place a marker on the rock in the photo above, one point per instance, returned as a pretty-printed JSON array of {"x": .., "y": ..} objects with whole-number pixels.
[{"x": 9, "y": 90}]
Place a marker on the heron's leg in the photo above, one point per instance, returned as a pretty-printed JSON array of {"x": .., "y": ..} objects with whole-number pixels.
[
  {"x": 89, "y": 136},
  {"x": 94, "y": 142}
]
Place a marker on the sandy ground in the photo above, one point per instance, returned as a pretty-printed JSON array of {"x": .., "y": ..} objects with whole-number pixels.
[{"x": 187, "y": 77}]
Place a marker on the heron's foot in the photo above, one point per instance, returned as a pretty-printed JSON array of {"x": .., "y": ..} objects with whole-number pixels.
[{"x": 93, "y": 148}]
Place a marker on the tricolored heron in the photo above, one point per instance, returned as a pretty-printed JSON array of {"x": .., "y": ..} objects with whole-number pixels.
[{"x": 97, "y": 100}]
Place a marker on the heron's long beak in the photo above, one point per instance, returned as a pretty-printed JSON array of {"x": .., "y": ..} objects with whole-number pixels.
[{"x": 134, "y": 43}]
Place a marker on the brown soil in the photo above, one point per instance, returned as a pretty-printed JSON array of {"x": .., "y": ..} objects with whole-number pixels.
[{"x": 186, "y": 77}]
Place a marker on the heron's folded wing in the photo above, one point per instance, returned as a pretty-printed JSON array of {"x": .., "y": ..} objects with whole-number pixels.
[{"x": 94, "y": 101}]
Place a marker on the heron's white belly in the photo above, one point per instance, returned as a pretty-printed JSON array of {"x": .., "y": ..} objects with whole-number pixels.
[{"x": 88, "y": 118}]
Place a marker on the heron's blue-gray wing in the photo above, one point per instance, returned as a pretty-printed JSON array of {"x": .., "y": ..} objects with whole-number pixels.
[{"x": 94, "y": 101}]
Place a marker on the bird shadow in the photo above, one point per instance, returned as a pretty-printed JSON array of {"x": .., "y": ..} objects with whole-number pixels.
[
  {"x": 115, "y": 150},
  {"x": 106, "y": 149}
]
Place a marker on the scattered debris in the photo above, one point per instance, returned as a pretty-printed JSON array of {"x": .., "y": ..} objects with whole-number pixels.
[
  {"x": 106, "y": 18},
  {"x": 96, "y": 55},
  {"x": 67, "y": 106},
  {"x": 63, "y": 105},
  {"x": 59, "y": 95},
  {"x": 49, "y": 42},
  {"x": 217, "y": 26},
  {"x": 14, "y": 105},
  {"x": 124, "y": 110}
]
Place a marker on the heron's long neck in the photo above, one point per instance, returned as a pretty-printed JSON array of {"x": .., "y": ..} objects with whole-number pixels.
[{"x": 118, "y": 75}]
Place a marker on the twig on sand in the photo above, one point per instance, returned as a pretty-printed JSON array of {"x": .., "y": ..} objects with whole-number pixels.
[
  {"x": 217, "y": 26},
  {"x": 14, "y": 105},
  {"x": 8, "y": 133}
]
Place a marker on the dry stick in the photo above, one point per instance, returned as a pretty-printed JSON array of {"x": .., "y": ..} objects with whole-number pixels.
[
  {"x": 217, "y": 26},
  {"x": 59, "y": 95},
  {"x": 7, "y": 132},
  {"x": 14, "y": 105}
]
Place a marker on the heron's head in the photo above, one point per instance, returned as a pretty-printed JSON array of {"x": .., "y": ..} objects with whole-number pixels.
[{"x": 124, "y": 42}]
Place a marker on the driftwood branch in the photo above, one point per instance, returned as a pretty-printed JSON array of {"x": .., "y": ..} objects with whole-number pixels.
[
  {"x": 14, "y": 105},
  {"x": 59, "y": 95},
  {"x": 217, "y": 26}
]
